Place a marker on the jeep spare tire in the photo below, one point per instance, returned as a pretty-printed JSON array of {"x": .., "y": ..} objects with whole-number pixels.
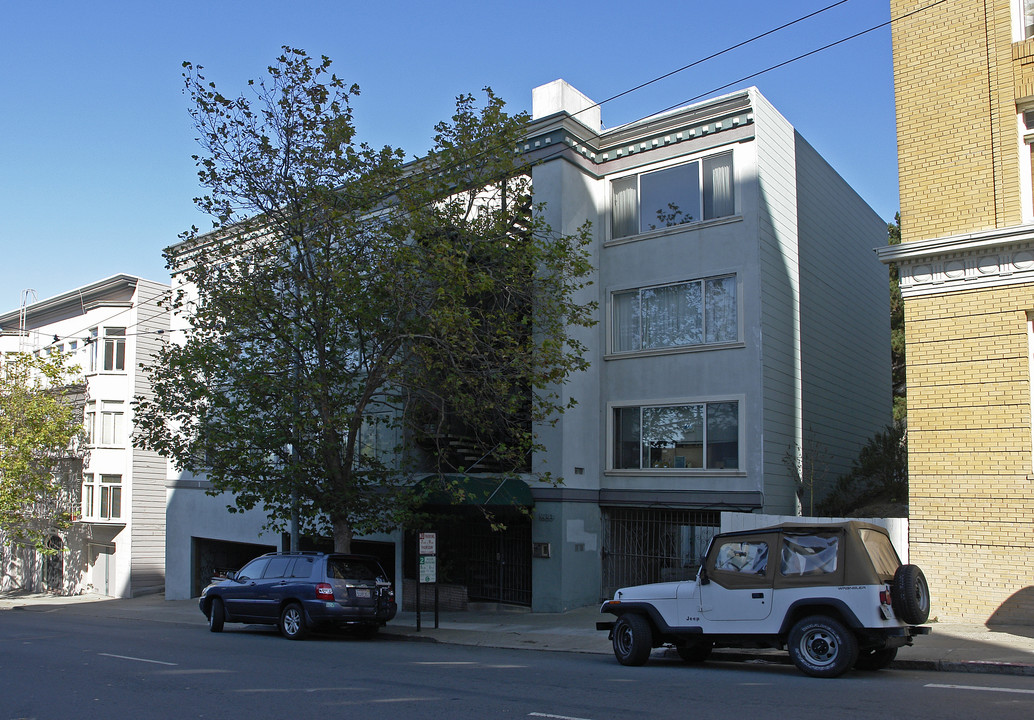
[{"x": 910, "y": 595}]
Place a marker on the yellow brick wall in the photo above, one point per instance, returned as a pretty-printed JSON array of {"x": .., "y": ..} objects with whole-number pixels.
[
  {"x": 958, "y": 147},
  {"x": 971, "y": 492}
]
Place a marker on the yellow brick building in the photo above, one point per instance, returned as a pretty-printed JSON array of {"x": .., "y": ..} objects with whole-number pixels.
[{"x": 964, "y": 88}]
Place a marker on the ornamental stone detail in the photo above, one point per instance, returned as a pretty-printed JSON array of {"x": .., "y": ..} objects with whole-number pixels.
[{"x": 971, "y": 262}]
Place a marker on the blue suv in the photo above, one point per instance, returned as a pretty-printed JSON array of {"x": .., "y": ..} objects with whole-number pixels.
[{"x": 298, "y": 591}]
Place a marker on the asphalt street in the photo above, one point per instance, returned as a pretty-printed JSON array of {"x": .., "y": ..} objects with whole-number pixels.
[{"x": 57, "y": 664}]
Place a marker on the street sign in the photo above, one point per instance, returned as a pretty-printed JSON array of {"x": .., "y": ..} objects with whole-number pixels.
[
  {"x": 428, "y": 569},
  {"x": 428, "y": 544}
]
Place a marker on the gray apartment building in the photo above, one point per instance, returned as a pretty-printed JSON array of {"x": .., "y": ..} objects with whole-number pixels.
[{"x": 743, "y": 320}]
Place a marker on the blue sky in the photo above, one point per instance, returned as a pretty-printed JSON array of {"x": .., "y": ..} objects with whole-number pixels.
[{"x": 95, "y": 140}]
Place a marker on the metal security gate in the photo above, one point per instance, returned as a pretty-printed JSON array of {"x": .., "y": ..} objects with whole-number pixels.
[
  {"x": 494, "y": 563},
  {"x": 642, "y": 545},
  {"x": 499, "y": 568}
]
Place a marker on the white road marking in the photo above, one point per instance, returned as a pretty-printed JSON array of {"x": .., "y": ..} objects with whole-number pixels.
[
  {"x": 554, "y": 717},
  {"x": 126, "y": 657},
  {"x": 981, "y": 687},
  {"x": 300, "y": 690}
]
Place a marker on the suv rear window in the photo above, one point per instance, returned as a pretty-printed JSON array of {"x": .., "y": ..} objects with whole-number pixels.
[
  {"x": 302, "y": 568},
  {"x": 881, "y": 552},
  {"x": 277, "y": 566},
  {"x": 352, "y": 570}
]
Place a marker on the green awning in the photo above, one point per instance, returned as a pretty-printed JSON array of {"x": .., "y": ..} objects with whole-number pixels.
[{"x": 482, "y": 490}]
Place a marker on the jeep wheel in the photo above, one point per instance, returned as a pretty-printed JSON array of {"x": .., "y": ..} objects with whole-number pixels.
[
  {"x": 873, "y": 659},
  {"x": 910, "y": 595},
  {"x": 292, "y": 622},
  {"x": 695, "y": 652},
  {"x": 822, "y": 647},
  {"x": 633, "y": 639}
]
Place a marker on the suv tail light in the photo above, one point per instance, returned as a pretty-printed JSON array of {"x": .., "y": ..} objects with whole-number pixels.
[{"x": 324, "y": 591}]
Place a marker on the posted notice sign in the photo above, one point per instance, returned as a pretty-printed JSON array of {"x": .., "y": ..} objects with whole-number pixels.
[
  {"x": 428, "y": 544},
  {"x": 428, "y": 569}
]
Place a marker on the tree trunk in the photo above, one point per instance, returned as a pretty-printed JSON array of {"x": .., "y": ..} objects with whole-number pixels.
[{"x": 342, "y": 535}]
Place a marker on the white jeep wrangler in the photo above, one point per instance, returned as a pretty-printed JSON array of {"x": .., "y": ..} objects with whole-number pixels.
[{"x": 835, "y": 595}]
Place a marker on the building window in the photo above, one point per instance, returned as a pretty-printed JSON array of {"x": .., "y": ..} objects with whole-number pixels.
[
  {"x": 701, "y": 436},
  {"x": 1030, "y": 364},
  {"x": 91, "y": 342},
  {"x": 700, "y": 190},
  {"x": 1027, "y": 19},
  {"x": 112, "y": 422},
  {"x": 102, "y": 500},
  {"x": 88, "y": 487},
  {"x": 682, "y": 314},
  {"x": 111, "y": 497},
  {"x": 91, "y": 422},
  {"x": 115, "y": 348},
  {"x": 377, "y": 441}
]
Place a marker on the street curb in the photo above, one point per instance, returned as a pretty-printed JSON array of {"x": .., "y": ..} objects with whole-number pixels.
[
  {"x": 961, "y": 666},
  {"x": 966, "y": 666}
]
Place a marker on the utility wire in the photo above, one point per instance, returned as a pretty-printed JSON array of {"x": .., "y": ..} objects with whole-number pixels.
[{"x": 736, "y": 46}]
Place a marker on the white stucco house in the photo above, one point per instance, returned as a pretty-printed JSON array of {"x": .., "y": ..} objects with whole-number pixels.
[
  {"x": 116, "y": 546},
  {"x": 743, "y": 318}
]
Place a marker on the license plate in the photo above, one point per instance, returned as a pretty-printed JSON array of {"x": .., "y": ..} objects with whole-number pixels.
[{"x": 362, "y": 593}]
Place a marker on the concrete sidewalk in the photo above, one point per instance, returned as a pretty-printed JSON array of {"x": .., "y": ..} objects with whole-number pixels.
[{"x": 954, "y": 647}]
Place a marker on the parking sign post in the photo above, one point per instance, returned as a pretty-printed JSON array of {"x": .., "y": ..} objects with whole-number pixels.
[{"x": 427, "y": 571}]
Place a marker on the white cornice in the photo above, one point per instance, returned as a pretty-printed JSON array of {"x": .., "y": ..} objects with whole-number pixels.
[{"x": 973, "y": 261}]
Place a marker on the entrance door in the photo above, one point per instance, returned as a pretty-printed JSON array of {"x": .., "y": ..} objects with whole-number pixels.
[{"x": 102, "y": 562}]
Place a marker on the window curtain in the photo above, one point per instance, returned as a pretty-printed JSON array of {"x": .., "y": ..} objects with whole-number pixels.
[
  {"x": 720, "y": 309},
  {"x": 626, "y": 322},
  {"x": 719, "y": 199},
  {"x": 624, "y": 207},
  {"x": 672, "y": 316}
]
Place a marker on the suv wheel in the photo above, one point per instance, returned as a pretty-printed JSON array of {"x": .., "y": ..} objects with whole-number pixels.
[
  {"x": 633, "y": 639},
  {"x": 910, "y": 595},
  {"x": 292, "y": 622},
  {"x": 216, "y": 615},
  {"x": 875, "y": 659},
  {"x": 822, "y": 647}
]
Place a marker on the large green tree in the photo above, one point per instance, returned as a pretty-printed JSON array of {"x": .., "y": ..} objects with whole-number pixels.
[
  {"x": 344, "y": 297},
  {"x": 41, "y": 424}
]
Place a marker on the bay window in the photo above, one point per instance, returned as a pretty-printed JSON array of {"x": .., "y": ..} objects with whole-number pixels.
[
  {"x": 695, "y": 191},
  {"x": 102, "y": 500},
  {"x": 91, "y": 422},
  {"x": 702, "y": 436},
  {"x": 112, "y": 422},
  {"x": 115, "y": 348},
  {"x": 697, "y": 312}
]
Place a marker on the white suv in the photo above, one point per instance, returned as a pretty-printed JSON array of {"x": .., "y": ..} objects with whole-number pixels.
[{"x": 835, "y": 595}]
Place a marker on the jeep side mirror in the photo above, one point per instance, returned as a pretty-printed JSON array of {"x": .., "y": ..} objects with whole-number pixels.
[{"x": 702, "y": 576}]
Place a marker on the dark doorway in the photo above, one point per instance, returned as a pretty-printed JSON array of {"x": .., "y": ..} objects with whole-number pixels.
[{"x": 54, "y": 565}]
